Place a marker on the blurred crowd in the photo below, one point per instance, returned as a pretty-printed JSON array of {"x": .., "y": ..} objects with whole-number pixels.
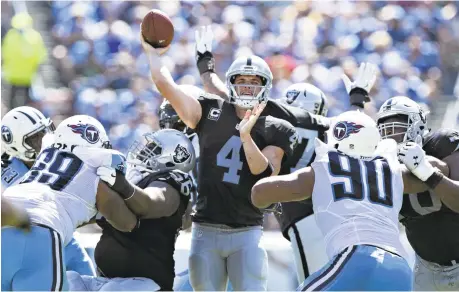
[{"x": 105, "y": 74}]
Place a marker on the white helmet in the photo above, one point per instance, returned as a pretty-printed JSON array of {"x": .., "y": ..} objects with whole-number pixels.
[
  {"x": 82, "y": 130},
  {"x": 22, "y": 131},
  {"x": 306, "y": 96},
  {"x": 416, "y": 118},
  {"x": 251, "y": 65},
  {"x": 161, "y": 151},
  {"x": 354, "y": 133}
]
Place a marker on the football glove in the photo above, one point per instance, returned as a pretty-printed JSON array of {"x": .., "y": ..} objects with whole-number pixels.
[
  {"x": 413, "y": 156},
  {"x": 364, "y": 81},
  {"x": 204, "y": 58}
]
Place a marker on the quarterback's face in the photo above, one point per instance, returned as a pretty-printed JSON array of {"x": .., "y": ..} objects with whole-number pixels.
[
  {"x": 248, "y": 85},
  {"x": 393, "y": 128}
]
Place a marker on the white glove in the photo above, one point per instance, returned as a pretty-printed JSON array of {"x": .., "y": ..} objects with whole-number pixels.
[
  {"x": 413, "y": 156},
  {"x": 107, "y": 174},
  {"x": 136, "y": 174},
  {"x": 365, "y": 78},
  {"x": 204, "y": 37}
]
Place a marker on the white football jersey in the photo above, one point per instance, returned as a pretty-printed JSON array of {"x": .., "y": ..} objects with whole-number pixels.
[
  {"x": 357, "y": 201},
  {"x": 61, "y": 187}
]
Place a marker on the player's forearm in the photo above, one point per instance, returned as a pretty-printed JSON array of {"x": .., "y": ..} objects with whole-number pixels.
[
  {"x": 187, "y": 107},
  {"x": 213, "y": 84},
  {"x": 282, "y": 188},
  {"x": 448, "y": 192},
  {"x": 139, "y": 202},
  {"x": 257, "y": 162}
]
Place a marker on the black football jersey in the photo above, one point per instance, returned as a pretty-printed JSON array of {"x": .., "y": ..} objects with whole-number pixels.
[
  {"x": 308, "y": 127},
  {"x": 225, "y": 180},
  {"x": 431, "y": 227},
  {"x": 147, "y": 251}
]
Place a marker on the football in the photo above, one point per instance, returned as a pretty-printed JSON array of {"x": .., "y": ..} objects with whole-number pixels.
[{"x": 157, "y": 29}]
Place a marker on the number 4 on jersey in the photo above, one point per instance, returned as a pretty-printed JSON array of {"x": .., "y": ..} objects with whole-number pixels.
[{"x": 229, "y": 156}]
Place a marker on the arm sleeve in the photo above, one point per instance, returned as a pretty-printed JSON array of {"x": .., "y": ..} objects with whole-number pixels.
[{"x": 282, "y": 134}]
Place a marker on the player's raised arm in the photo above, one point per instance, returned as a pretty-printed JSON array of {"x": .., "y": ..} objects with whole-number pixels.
[
  {"x": 359, "y": 89},
  {"x": 187, "y": 107},
  {"x": 295, "y": 186},
  {"x": 413, "y": 156},
  {"x": 206, "y": 63}
]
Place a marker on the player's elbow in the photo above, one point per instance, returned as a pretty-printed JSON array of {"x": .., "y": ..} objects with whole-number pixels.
[
  {"x": 258, "y": 197},
  {"x": 124, "y": 225}
]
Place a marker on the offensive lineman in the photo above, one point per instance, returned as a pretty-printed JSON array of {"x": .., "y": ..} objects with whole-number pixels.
[
  {"x": 429, "y": 218},
  {"x": 158, "y": 166}
]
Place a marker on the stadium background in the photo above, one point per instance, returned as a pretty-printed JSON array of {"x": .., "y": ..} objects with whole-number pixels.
[{"x": 71, "y": 57}]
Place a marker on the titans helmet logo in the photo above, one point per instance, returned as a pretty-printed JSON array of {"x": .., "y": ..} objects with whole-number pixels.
[
  {"x": 181, "y": 154},
  {"x": 345, "y": 129},
  {"x": 87, "y": 132},
  {"x": 7, "y": 136}
]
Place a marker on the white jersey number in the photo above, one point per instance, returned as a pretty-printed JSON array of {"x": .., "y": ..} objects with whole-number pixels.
[{"x": 306, "y": 138}]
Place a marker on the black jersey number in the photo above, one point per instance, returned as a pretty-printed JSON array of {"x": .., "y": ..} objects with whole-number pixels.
[
  {"x": 360, "y": 179},
  {"x": 54, "y": 168},
  {"x": 230, "y": 157}
]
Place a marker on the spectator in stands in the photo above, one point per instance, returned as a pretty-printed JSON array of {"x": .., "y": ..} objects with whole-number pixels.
[{"x": 23, "y": 51}]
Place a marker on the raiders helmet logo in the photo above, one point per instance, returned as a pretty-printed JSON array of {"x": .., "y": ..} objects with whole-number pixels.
[
  {"x": 388, "y": 105},
  {"x": 7, "y": 136},
  {"x": 345, "y": 129},
  {"x": 181, "y": 154},
  {"x": 88, "y": 132},
  {"x": 292, "y": 95}
]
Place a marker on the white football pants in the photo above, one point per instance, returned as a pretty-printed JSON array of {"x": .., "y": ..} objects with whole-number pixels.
[
  {"x": 433, "y": 277},
  {"x": 308, "y": 247},
  {"x": 219, "y": 252}
]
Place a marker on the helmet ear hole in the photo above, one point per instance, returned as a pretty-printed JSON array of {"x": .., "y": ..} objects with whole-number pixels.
[{"x": 170, "y": 164}]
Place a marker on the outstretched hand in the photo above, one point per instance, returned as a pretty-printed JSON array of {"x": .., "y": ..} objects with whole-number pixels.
[
  {"x": 250, "y": 118},
  {"x": 149, "y": 49}
]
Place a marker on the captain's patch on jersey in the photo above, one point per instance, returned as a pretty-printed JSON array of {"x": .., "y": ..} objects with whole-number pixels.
[
  {"x": 214, "y": 114},
  {"x": 87, "y": 131},
  {"x": 181, "y": 154},
  {"x": 345, "y": 129},
  {"x": 7, "y": 136}
]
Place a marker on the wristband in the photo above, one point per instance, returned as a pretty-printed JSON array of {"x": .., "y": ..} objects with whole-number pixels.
[
  {"x": 434, "y": 179},
  {"x": 123, "y": 187},
  {"x": 205, "y": 62},
  {"x": 358, "y": 97}
]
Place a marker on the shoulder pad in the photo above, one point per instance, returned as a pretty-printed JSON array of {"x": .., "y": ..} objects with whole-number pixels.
[
  {"x": 441, "y": 143},
  {"x": 180, "y": 180}
]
